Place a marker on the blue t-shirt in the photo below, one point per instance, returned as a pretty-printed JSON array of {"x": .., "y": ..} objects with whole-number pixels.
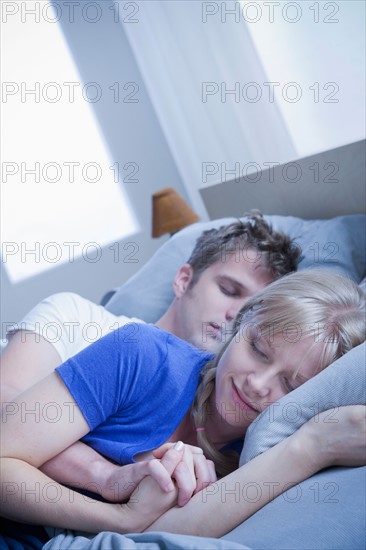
[{"x": 133, "y": 387}]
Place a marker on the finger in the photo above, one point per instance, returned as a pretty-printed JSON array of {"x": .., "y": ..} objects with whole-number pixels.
[
  {"x": 205, "y": 472},
  {"x": 157, "y": 470},
  {"x": 195, "y": 450},
  {"x": 185, "y": 482},
  {"x": 185, "y": 478},
  {"x": 160, "y": 451},
  {"x": 172, "y": 457},
  {"x": 213, "y": 471}
]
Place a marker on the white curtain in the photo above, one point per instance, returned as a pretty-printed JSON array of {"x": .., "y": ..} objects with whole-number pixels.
[{"x": 188, "y": 60}]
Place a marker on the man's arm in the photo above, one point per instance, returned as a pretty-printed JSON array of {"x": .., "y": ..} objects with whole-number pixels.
[{"x": 82, "y": 467}]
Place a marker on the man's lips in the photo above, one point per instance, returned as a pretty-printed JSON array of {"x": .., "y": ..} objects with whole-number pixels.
[
  {"x": 221, "y": 330},
  {"x": 243, "y": 401},
  {"x": 215, "y": 330}
]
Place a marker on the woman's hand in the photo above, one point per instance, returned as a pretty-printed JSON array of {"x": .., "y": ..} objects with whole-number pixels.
[
  {"x": 192, "y": 474},
  {"x": 148, "y": 502},
  {"x": 337, "y": 437}
]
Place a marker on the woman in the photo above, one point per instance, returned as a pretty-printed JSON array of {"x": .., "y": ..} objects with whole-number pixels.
[{"x": 125, "y": 397}]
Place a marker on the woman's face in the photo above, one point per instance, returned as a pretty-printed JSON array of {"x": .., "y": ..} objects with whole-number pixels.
[{"x": 256, "y": 371}]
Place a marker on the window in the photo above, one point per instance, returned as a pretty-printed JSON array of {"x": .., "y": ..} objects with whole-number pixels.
[
  {"x": 317, "y": 72},
  {"x": 61, "y": 198}
]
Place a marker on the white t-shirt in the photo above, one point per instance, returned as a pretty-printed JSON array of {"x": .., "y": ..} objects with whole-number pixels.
[{"x": 70, "y": 323}]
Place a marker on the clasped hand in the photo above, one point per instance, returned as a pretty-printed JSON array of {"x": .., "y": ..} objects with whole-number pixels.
[{"x": 183, "y": 464}]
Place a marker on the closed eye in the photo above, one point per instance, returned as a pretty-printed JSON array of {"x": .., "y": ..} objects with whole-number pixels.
[
  {"x": 288, "y": 385},
  {"x": 294, "y": 383},
  {"x": 257, "y": 351},
  {"x": 230, "y": 292}
]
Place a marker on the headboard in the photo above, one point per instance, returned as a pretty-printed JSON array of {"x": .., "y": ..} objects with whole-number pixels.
[{"x": 324, "y": 185}]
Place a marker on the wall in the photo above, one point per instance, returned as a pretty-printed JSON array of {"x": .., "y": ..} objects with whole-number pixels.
[
  {"x": 131, "y": 132},
  {"x": 319, "y": 47}
]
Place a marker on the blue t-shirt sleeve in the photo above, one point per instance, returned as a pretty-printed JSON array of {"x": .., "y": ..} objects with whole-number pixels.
[{"x": 103, "y": 377}]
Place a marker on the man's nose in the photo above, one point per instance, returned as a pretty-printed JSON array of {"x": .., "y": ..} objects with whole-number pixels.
[{"x": 232, "y": 311}]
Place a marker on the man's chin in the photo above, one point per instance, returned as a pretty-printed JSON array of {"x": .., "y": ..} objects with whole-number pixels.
[{"x": 211, "y": 345}]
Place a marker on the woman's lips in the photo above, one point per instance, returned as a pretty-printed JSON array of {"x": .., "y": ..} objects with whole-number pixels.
[{"x": 243, "y": 402}]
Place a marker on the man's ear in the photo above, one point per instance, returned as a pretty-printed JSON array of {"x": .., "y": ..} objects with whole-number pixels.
[{"x": 182, "y": 279}]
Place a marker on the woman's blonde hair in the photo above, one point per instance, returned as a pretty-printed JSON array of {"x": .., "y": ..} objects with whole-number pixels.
[{"x": 317, "y": 303}]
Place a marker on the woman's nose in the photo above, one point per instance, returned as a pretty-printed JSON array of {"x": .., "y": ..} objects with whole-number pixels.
[{"x": 259, "y": 384}]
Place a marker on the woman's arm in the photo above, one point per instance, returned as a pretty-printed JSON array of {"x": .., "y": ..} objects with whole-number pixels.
[
  {"x": 233, "y": 499},
  {"x": 27, "y": 359},
  {"x": 41, "y": 423}
]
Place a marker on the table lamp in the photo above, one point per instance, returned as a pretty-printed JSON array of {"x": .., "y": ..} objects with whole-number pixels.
[{"x": 170, "y": 212}]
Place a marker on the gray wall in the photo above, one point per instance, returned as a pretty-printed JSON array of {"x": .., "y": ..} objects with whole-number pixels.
[
  {"x": 320, "y": 186},
  {"x": 132, "y": 133}
]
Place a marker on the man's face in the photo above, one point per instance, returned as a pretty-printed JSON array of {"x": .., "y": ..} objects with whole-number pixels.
[{"x": 205, "y": 312}]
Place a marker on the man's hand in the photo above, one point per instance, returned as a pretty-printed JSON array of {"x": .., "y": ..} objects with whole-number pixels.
[
  {"x": 123, "y": 480},
  {"x": 192, "y": 474}
]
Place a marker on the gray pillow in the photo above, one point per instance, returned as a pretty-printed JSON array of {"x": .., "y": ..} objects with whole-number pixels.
[
  {"x": 324, "y": 512},
  {"x": 338, "y": 244},
  {"x": 327, "y": 510}
]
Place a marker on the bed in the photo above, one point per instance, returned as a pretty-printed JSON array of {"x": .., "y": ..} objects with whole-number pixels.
[
  {"x": 325, "y": 512},
  {"x": 328, "y": 510}
]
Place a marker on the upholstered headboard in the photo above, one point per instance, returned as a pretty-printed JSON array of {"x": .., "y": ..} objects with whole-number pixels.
[{"x": 321, "y": 186}]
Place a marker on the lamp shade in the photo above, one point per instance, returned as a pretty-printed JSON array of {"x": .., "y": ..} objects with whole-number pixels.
[{"x": 170, "y": 212}]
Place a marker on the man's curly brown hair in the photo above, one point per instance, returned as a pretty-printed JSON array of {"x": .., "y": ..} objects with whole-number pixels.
[{"x": 276, "y": 251}]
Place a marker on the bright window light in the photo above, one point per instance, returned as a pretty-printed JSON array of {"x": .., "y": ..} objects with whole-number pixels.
[
  {"x": 61, "y": 199},
  {"x": 316, "y": 72}
]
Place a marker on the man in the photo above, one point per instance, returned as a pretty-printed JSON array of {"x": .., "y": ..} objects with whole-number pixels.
[{"x": 226, "y": 267}]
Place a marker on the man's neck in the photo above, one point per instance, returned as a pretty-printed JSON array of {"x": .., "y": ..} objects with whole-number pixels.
[{"x": 167, "y": 322}]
